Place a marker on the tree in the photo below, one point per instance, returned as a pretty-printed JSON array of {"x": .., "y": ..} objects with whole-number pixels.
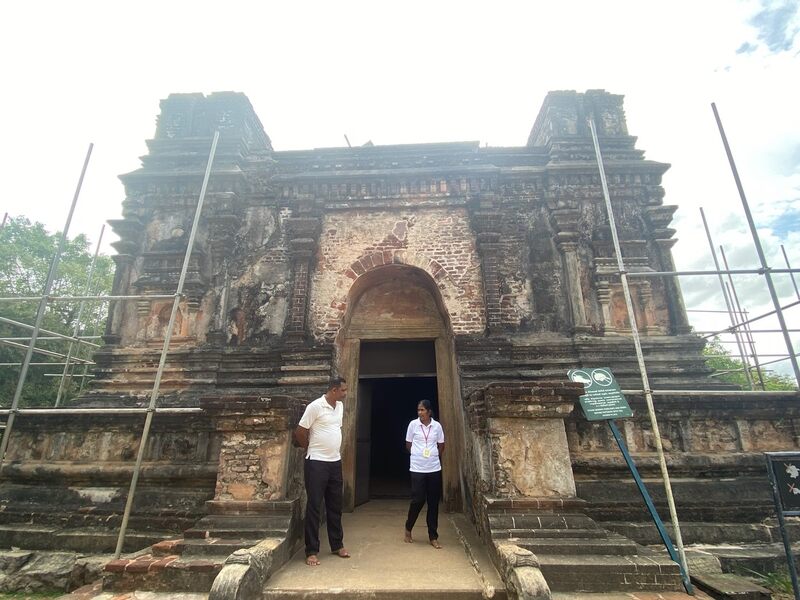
[
  {"x": 26, "y": 251},
  {"x": 730, "y": 369}
]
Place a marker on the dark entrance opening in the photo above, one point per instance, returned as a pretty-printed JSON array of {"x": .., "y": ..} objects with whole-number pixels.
[{"x": 393, "y": 378}]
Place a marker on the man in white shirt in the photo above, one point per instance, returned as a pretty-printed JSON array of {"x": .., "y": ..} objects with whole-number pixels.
[{"x": 320, "y": 432}]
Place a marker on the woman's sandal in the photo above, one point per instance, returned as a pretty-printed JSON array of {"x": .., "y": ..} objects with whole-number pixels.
[
  {"x": 408, "y": 539},
  {"x": 341, "y": 553},
  {"x": 436, "y": 544},
  {"x": 312, "y": 560}
]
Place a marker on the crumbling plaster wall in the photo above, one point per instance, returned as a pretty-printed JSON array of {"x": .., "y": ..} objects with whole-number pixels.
[{"x": 259, "y": 275}]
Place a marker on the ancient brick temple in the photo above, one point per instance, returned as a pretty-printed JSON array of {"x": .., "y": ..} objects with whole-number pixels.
[{"x": 472, "y": 276}]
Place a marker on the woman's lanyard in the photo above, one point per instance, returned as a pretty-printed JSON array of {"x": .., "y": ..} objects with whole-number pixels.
[{"x": 426, "y": 452}]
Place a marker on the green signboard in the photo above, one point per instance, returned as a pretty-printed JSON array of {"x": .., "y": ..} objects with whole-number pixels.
[{"x": 603, "y": 398}]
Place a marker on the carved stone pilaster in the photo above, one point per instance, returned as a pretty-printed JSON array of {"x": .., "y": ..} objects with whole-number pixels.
[
  {"x": 565, "y": 222},
  {"x": 486, "y": 221},
  {"x": 303, "y": 232},
  {"x": 604, "y": 298},
  {"x": 648, "y": 324}
]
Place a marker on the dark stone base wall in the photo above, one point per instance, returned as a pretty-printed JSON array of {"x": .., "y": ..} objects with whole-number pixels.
[{"x": 75, "y": 471}]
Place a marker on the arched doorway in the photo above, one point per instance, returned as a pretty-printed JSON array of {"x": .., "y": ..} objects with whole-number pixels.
[{"x": 395, "y": 347}]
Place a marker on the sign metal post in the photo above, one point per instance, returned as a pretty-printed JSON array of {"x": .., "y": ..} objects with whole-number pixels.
[
  {"x": 604, "y": 401},
  {"x": 784, "y": 476}
]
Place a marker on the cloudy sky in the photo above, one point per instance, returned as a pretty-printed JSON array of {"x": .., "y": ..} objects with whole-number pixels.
[{"x": 405, "y": 72}]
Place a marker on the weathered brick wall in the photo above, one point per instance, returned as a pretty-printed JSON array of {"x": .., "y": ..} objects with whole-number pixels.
[
  {"x": 252, "y": 465},
  {"x": 437, "y": 240}
]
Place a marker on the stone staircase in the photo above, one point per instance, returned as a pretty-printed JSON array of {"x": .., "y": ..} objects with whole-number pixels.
[
  {"x": 192, "y": 562},
  {"x": 574, "y": 553}
]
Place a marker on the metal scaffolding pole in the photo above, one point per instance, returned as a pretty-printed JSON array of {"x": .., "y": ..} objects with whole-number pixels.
[
  {"x": 758, "y": 318},
  {"x": 38, "y": 364},
  {"x": 709, "y": 273},
  {"x": 640, "y": 360},
  {"x": 167, "y": 336},
  {"x": 745, "y": 328},
  {"x": 759, "y": 250},
  {"x": 95, "y": 327},
  {"x": 48, "y": 332},
  {"x": 77, "y": 329},
  {"x": 99, "y": 411},
  {"x": 703, "y": 332},
  {"x": 100, "y": 298},
  {"x": 734, "y": 323},
  {"x": 726, "y": 393},
  {"x": 788, "y": 266},
  {"x": 40, "y": 313},
  {"x": 41, "y": 351},
  {"x": 50, "y": 338}
]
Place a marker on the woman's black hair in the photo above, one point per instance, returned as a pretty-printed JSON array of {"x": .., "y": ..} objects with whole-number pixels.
[{"x": 426, "y": 404}]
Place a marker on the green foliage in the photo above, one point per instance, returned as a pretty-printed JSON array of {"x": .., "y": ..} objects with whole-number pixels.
[
  {"x": 776, "y": 581},
  {"x": 40, "y": 595},
  {"x": 26, "y": 251},
  {"x": 720, "y": 359}
]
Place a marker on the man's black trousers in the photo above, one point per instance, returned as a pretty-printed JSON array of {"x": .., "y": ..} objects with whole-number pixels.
[
  {"x": 425, "y": 487},
  {"x": 323, "y": 481}
]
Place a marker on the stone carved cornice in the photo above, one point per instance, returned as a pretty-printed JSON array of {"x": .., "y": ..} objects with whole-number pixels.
[{"x": 522, "y": 400}]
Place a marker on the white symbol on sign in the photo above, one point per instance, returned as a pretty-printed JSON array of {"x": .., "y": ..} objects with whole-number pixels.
[
  {"x": 792, "y": 471},
  {"x": 581, "y": 377},
  {"x": 794, "y": 489},
  {"x": 602, "y": 377}
]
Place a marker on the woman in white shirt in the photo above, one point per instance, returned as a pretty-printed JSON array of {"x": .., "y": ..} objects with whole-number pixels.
[{"x": 425, "y": 443}]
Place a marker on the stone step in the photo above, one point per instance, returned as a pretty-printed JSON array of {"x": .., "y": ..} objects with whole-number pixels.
[
  {"x": 247, "y": 508},
  {"x": 318, "y": 355},
  {"x": 248, "y": 368},
  {"x": 88, "y": 540},
  {"x": 586, "y": 534},
  {"x": 303, "y": 380},
  {"x": 541, "y": 521},
  {"x": 235, "y": 533},
  {"x": 161, "y": 573},
  {"x": 337, "y": 593},
  {"x": 698, "y": 595},
  {"x": 728, "y": 585},
  {"x": 617, "y": 546},
  {"x": 231, "y": 526},
  {"x": 706, "y": 533},
  {"x": 216, "y": 547},
  {"x": 596, "y": 573}
]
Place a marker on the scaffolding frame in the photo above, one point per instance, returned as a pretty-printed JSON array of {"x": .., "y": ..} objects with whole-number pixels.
[{"x": 734, "y": 312}]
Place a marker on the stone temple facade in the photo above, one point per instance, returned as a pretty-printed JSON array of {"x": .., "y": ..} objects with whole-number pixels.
[{"x": 472, "y": 276}]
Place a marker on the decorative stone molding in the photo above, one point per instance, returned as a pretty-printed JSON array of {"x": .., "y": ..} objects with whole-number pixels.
[{"x": 521, "y": 573}]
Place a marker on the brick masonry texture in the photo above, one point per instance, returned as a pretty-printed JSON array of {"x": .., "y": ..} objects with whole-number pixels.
[{"x": 439, "y": 241}]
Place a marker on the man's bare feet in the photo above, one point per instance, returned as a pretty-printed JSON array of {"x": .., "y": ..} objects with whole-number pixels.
[
  {"x": 341, "y": 553},
  {"x": 312, "y": 560},
  {"x": 408, "y": 539},
  {"x": 436, "y": 544}
]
